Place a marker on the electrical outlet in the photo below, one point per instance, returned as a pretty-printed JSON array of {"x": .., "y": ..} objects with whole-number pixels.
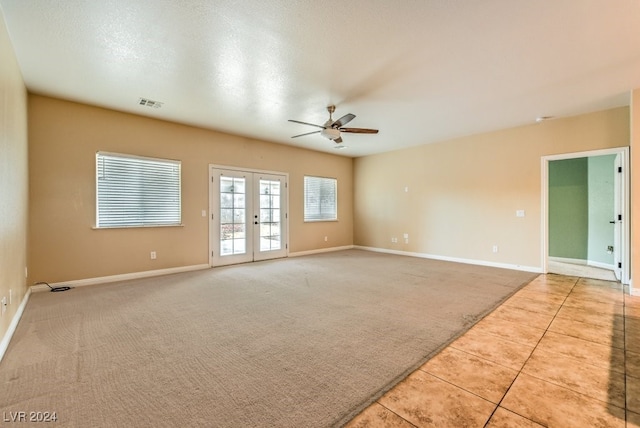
[
  {"x": 153, "y": 255},
  {"x": 326, "y": 238},
  {"x": 495, "y": 248},
  {"x": 10, "y": 296}
]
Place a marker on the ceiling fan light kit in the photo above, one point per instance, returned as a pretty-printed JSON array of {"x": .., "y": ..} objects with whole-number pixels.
[
  {"x": 330, "y": 133},
  {"x": 332, "y": 129}
]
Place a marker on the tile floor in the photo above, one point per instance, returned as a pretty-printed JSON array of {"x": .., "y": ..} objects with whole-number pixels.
[{"x": 561, "y": 352}]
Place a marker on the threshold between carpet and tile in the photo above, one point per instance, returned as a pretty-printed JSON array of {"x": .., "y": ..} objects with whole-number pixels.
[{"x": 561, "y": 352}]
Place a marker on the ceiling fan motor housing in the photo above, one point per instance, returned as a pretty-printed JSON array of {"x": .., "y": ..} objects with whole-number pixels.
[{"x": 330, "y": 133}]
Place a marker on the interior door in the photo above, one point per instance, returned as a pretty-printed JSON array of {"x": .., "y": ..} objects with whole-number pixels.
[
  {"x": 248, "y": 216},
  {"x": 617, "y": 221}
]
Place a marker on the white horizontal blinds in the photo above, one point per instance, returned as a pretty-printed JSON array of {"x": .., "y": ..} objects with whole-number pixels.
[
  {"x": 320, "y": 198},
  {"x": 134, "y": 191}
]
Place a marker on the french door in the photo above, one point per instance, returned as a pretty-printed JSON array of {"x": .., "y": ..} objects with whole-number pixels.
[{"x": 248, "y": 216}]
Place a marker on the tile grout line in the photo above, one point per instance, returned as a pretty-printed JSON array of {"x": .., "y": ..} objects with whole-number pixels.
[
  {"x": 458, "y": 386},
  {"x": 528, "y": 358},
  {"x": 388, "y": 409}
]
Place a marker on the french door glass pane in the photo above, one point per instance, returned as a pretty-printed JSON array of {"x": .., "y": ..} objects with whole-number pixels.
[
  {"x": 270, "y": 215},
  {"x": 226, "y": 184},
  {"x": 232, "y": 216},
  {"x": 226, "y": 200}
]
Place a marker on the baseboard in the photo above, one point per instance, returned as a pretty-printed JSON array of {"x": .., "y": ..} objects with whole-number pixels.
[
  {"x": 601, "y": 265},
  {"x": 4, "y": 344},
  {"x": 582, "y": 262},
  {"x": 121, "y": 277},
  {"x": 633, "y": 291},
  {"x": 531, "y": 269},
  {"x": 320, "y": 250}
]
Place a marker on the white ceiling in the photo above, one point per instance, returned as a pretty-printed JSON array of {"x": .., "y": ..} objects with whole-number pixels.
[{"x": 421, "y": 71}]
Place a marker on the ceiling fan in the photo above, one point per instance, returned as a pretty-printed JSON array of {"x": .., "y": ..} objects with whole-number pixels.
[{"x": 332, "y": 129}]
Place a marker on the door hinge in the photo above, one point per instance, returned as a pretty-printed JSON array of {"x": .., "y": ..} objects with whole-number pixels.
[
  {"x": 619, "y": 217},
  {"x": 620, "y": 169},
  {"x": 619, "y": 265}
]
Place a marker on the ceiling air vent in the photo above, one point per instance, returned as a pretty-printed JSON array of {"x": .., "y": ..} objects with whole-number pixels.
[{"x": 149, "y": 103}]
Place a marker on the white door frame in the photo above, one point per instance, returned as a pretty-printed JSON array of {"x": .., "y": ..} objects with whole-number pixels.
[
  {"x": 625, "y": 237},
  {"x": 212, "y": 221}
]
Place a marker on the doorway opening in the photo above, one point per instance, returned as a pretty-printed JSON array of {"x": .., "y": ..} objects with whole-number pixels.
[
  {"x": 585, "y": 214},
  {"x": 248, "y": 215}
]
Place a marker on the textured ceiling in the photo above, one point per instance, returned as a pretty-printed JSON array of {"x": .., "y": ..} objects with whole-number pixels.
[{"x": 420, "y": 71}]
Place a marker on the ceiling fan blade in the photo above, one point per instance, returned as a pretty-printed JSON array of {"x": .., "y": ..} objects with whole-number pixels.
[
  {"x": 343, "y": 120},
  {"x": 338, "y": 140},
  {"x": 359, "y": 130},
  {"x": 306, "y": 123},
  {"x": 308, "y": 133}
]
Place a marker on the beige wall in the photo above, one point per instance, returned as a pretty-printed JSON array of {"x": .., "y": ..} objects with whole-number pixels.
[
  {"x": 64, "y": 137},
  {"x": 463, "y": 194},
  {"x": 13, "y": 179}
]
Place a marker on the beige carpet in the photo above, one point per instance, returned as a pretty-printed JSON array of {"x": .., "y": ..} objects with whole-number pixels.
[{"x": 306, "y": 341}]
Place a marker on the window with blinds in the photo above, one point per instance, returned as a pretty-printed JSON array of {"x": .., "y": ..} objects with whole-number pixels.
[
  {"x": 320, "y": 199},
  {"x": 137, "y": 191}
]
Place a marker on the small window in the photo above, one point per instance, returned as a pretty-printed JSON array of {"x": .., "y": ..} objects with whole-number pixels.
[
  {"x": 320, "y": 199},
  {"x": 136, "y": 191}
]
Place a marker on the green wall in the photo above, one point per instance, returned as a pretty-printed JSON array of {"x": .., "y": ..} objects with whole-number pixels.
[
  {"x": 581, "y": 205},
  {"x": 569, "y": 208}
]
